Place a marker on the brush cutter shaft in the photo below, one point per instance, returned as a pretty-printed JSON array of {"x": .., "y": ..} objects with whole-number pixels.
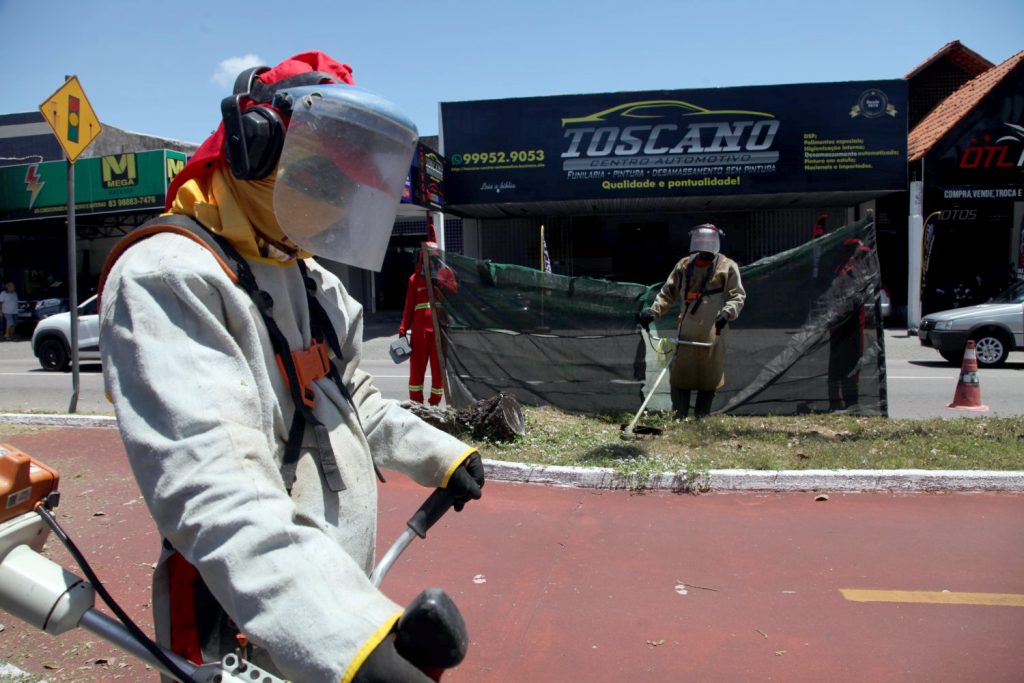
[
  {"x": 114, "y": 632},
  {"x": 388, "y": 559},
  {"x": 47, "y": 596},
  {"x": 636, "y": 418},
  {"x": 432, "y": 509},
  {"x": 686, "y": 342},
  {"x": 627, "y": 433}
]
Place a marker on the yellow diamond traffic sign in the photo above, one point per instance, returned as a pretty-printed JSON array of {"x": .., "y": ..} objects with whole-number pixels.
[{"x": 71, "y": 117}]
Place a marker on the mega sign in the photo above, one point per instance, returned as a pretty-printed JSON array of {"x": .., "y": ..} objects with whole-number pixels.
[
  {"x": 135, "y": 181},
  {"x": 723, "y": 141}
]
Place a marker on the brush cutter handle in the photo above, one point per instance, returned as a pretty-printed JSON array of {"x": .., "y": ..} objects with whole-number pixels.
[{"x": 433, "y": 509}]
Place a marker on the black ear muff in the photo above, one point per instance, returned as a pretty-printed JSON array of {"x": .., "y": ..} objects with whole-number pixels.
[
  {"x": 248, "y": 79},
  {"x": 254, "y": 137}
]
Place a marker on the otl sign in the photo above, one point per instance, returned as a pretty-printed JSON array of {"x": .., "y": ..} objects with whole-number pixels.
[{"x": 72, "y": 118}]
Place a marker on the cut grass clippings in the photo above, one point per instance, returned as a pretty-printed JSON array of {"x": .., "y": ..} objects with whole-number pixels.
[{"x": 826, "y": 441}]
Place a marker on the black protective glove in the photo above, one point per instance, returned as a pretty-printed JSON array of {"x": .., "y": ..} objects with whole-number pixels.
[
  {"x": 431, "y": 632},
  {"x": 645, "y": 318},
  {"x": 720, "y": 322},
  {"x": 385, "y": 665},
  {"x": 466, "y": 481}
]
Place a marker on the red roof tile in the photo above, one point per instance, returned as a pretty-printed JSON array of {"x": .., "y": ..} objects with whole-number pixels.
[
  {"x": 956, "y": 52},
  {"x": 951, "y": 110}
]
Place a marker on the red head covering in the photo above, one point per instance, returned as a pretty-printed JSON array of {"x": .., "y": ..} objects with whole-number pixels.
[
  {"x": 819, "y": 226},
  {"x": 431, "y": 232},
  {"x": 212, "y": 150}
]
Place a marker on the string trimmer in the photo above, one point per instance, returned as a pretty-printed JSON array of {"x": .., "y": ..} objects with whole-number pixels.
[
  {"x": 45, "y": 595},
  {"x": 665, "y": 346}
]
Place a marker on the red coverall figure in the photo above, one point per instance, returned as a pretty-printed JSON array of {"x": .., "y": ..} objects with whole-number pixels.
[
  {"x": 418, "y": 319},
  {"x": 846, "y": 334}
]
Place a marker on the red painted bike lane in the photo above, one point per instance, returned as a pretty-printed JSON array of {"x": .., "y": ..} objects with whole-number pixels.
[{"x": 560, "y": 584}]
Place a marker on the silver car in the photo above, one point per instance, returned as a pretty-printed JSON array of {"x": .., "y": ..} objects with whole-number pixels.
[{"x": 997, "y": 328}]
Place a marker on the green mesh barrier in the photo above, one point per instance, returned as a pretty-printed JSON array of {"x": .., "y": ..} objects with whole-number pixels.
[{"x": 810, "y": 331}]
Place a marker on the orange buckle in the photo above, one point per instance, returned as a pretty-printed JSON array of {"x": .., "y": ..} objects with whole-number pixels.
[{"x": 310, "y": 365}]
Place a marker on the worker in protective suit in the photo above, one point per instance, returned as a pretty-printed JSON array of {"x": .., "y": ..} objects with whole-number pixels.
[
  {"x": 712, "y": 296},
  {"x": 418, "y": 319},
  {"x": 846, "y": 326},
  {"x": 265, "y": 491}
]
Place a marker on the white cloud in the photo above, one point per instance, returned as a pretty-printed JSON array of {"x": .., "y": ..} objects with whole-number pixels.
[{"x": 228, "y": 70}]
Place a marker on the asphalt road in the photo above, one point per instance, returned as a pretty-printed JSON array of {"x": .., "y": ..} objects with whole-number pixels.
[{"x": 920, "y": 383}]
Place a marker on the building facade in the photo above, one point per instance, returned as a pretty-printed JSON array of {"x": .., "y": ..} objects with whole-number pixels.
[{"x": 619, "y": 179}]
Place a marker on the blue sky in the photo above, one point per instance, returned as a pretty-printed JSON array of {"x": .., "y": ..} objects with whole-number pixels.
[{"x": 162, "y": 67}]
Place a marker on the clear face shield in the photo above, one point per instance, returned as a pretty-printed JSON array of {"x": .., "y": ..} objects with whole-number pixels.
[
  {"x": 705, "y": 238},
  {"x": 344, "y": 163}
]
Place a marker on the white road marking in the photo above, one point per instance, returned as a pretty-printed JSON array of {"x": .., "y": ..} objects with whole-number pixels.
[{"x": 913, "y": 377}]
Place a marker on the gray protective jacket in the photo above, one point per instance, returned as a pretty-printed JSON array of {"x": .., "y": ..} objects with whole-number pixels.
[{"x": 204, "y": 414}]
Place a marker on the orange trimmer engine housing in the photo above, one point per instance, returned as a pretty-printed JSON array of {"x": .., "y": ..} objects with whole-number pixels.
[{"x": 24, "y": 481}]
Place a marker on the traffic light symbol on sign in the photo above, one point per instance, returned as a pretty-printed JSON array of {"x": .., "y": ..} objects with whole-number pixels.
[
  {"x": 74, "y": 107},
  {"x": 71, "y": 118}
]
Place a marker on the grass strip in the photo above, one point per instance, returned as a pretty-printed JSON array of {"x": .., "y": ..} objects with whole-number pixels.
[{"x": 826, "y": 441}]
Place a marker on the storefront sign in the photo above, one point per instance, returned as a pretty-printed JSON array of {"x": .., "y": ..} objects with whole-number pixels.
[
  {"x": 430, "y": 189},
  {"x": 118, "y": 182},
  {"x": 968, "y": 192},
  {"x": 425, "y": 184},
  {"x": 824, "y": 137},
  {"x": 985, "y": 153}
]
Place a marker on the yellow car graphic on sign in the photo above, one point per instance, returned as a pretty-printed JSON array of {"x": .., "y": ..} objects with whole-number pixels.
[{"x": 655, "y": 109}]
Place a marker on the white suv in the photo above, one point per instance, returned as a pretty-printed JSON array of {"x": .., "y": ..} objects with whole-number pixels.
[{"x": 51, "y": 341}]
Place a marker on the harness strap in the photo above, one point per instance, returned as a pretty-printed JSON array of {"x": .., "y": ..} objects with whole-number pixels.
[
  {"x": 300, "y": 386},
  {"x": 321, "y": 328},
  {"x": 303, "y": 413},
  {"x": 175, "y": 223},
  {"x": 702, "y": 290},
  {"x": 310, "y": 365}
]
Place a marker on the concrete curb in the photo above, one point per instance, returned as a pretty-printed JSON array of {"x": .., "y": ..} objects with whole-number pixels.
[
  {"x": 763, "y": 480},
  {"x": 58, "y": 420},
  {"x": 712, "y": 480}
]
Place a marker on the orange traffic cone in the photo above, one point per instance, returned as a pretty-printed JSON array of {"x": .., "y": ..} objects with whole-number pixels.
[{"x": 968, "y": 389}]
